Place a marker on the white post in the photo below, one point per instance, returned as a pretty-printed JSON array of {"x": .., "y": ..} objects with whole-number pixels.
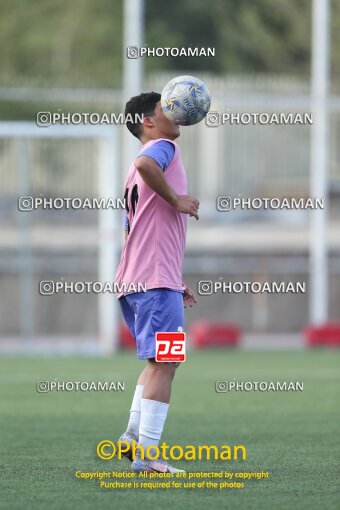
[
  {"x": 133, "y": 37},
  {"x": 132, "y": 69},
  {"x": 26, "y": 271},
  {"x": 109, "y": 223},
  {"x": 319, "y": 162}
]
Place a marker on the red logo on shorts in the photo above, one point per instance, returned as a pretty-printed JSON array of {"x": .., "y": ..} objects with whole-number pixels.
[{"x": 170, "y": 347}]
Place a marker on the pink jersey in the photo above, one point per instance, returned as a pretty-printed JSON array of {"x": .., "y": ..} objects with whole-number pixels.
[{"x": 154, "y": 250}]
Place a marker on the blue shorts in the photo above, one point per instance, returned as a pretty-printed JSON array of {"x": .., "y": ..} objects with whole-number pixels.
[{"x": 146, "y": 313}]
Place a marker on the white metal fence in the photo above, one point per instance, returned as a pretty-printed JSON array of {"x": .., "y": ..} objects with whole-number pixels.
[
  {"x": 246, "y": 160},
  {"x": 55, "y": 162},
  {"x": 81, "y": 161}
]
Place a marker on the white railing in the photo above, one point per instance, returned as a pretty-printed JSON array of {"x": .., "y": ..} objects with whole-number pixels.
[{"x": 21, "y": 146}]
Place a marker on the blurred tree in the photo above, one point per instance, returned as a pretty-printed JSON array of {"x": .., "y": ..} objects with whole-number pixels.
[
  {"x": 249, "y": 35},
  {"x": 61, "y": 43},
  {"x": 79, "y": 43}
]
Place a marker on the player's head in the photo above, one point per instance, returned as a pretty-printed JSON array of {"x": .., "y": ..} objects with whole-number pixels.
[{"x": 155, "y": 124}]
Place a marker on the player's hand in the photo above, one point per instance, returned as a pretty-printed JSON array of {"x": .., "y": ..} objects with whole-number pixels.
[
  {"x": 188, "y": 205},
  {"x": 189, "y": 297}
]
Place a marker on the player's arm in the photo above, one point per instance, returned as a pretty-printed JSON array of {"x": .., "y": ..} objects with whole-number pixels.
[
  {"x": 126, "y": 225},
  {"x": 189, "y": 297},
  {"x": 152, "y": 175}
]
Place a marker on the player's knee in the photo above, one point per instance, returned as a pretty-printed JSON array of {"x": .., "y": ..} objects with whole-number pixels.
[
  {"x": 176, "y": 365},
  {"x": 166, "y": 368},
  {"x": 171, "y": 369}
]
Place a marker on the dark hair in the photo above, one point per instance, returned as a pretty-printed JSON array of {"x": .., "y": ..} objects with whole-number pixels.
[{"x": 144, "y": 104}]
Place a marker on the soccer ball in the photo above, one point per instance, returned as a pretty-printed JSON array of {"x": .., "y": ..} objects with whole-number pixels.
[{"x": 185, "y": 100}]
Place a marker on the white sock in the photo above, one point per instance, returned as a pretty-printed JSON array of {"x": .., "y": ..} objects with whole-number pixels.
[
  {"x": 153, "y": 416},
  {"x": 135, "y": 412}
]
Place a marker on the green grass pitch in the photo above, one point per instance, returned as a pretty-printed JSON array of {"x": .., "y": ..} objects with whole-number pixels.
[{"x": 45, "y": 438}]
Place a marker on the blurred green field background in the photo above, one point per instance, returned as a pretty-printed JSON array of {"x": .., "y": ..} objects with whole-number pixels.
[{"x": 46, "y": 437}]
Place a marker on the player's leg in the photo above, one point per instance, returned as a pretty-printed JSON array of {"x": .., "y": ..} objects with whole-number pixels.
[
  {"x": 129, "y": 310},
  {"x": 155, "y": 403},
  {"x": 132, "y": 429},
  {"x": 158, "y": 380},
  {"x": 154, "y": 383},
  {"x": 165, "y": 313}
]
